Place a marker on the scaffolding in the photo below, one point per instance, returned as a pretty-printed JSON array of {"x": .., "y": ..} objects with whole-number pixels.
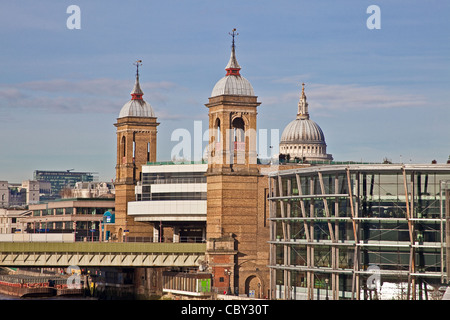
[{"x": 359, "y": 231}]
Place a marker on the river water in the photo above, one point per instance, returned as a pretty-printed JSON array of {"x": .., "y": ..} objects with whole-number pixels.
[{"x": 8, "y": 297}]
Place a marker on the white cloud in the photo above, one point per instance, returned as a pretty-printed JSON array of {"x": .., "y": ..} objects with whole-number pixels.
[
  {"x": 346, "y": 97},
  {"x": 85, "y": 96},
  {"x": 296, "y": 79}
]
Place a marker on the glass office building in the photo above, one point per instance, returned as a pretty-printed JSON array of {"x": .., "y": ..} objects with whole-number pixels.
[
  {"x": 359, "y": 231},
  {"x": 61, "y": 179}
]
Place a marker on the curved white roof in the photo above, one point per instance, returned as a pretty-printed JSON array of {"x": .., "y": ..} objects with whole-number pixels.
[
  {"x": 137, "y": 108},
  {"x": 234, "y": 85},
  {"x": 302, "y": 131}
]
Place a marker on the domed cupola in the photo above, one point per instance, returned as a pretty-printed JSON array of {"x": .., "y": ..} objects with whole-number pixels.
[
  {"x": 233, "y": 83},
  {"x": 137, "y": 106},
  {"x": 303, "y": 138}
]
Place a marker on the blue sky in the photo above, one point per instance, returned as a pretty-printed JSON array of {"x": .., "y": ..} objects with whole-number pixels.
[{"x": 375, "y": 93}]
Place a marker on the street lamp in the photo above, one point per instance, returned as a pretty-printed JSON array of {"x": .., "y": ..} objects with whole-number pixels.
[
  {"x": 228, "y": 273},
  {"x": 326, "y": 282}
]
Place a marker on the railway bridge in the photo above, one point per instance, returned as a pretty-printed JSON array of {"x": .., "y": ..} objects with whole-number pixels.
[{"x": 94, "y": 254}]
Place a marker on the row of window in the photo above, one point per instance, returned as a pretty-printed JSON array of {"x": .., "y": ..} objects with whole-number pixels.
[
  {"x": 63, "y": 226},
  {"x": 173, "y": 177},
  {"x": 172, "y": 196},
  {"x": 68, "y": 211},
  {"x": 375, "y": 185}
]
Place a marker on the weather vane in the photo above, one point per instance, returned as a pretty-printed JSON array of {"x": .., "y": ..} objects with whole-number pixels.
[
  {"x": 137, "y": 64},
  {"x": 233, "y": 34}
]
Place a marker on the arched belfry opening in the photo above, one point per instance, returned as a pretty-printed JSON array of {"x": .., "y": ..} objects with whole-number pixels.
[
  {"x": 217, "y": 131},
  {"x": 238, "y": 127},
  {"x": 238, "y": 140},
  {"x": 123, "y": 146}
]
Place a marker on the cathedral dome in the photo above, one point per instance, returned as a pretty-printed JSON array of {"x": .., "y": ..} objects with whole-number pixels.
[
  {"x": 233, "y": 83},
  {"x": 303, "y": 131},
  {"x": 137, "y": 107},
  {"x": 303, "y": 138}
]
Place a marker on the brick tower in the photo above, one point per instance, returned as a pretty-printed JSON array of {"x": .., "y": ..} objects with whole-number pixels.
[
  {"x": 233, "y": 180},
  {"x": 136, "y": 145}
]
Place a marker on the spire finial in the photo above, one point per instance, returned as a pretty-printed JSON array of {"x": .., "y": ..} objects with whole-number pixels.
[
  {"x": 233, "y": 34},
  {"x": 137, "y": 64},
  {"x": 137, "y": 93},
  {"x": 233, "y": 66}
]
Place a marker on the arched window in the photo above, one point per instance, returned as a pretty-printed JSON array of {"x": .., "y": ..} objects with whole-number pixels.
[
  {"x": 217, "y": 130},
  {"x": 123, "y": 146},
  {"x": 123, "y": 149},
  {"x": 238, "y": 130},
  {"x": 134, "y": 146}
]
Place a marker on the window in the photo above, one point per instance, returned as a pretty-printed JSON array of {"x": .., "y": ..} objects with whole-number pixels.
[
  {"x": 179, "y": 196},
  {"x": 173, "y": 177}
]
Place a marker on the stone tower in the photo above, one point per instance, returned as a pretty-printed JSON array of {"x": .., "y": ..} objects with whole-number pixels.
[
  {"x": 136, "y": 145},
  {"x": 233, "y": 199}
]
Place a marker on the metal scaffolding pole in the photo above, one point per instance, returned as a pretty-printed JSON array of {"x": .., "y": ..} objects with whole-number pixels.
[
  {"x": 412, "y": 269},
  {"x": 355, "y": 277}
]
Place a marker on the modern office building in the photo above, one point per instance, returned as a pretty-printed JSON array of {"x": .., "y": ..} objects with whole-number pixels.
[
  {"x": 60, "y": 180},
  {"x": 359, "y": 231},
  {"x": 172, "y": 198}
]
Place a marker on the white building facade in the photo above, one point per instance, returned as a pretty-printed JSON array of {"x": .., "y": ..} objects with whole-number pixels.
[{"x": 173, "y": 198}]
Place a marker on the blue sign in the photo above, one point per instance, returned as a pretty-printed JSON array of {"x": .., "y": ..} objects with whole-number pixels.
[{"x": 109, "y": 217}]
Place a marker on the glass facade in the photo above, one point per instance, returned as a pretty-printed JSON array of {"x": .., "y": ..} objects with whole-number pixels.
[
  {"x": 59, "y": 180},
  {"x": 334, "y": 229},
  {"x": 174, "y": 178}
]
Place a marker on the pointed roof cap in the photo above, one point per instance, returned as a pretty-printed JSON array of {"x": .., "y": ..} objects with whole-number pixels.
[
  {"x": 233, "y": 66},
  {"x": 232, "y": 63},
  {"x": 137, "y": 92},
  {"x": 137, "y": 106},
  {"x": 233, "y": 83}
]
